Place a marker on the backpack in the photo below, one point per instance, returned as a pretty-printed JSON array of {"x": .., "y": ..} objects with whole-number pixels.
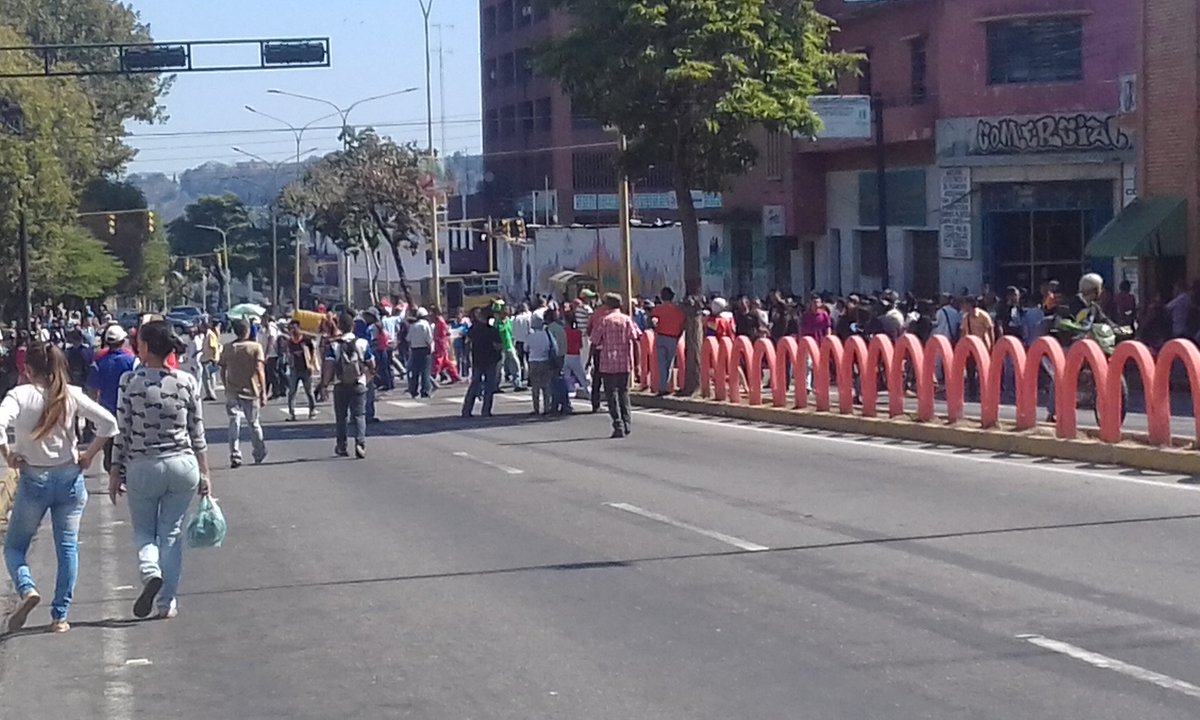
[{"x": 349, "y": 364}]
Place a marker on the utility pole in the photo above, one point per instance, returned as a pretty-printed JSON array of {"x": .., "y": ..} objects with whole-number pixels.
[
  {"x": 881, "y": 185},
  {"x": 626, "y": 231},
  {"x": 442, "y": 80},
  {"x": 426, "y": 9}
]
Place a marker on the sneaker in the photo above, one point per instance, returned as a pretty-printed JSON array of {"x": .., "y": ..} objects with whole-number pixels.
[
  {"x": 168, "y": 614},
  {"x": 16, "y": 621},
  {"x": 341, "y": 452},
  {"x": 59, "y": 626},
  {"x": 617, "y": 434},
  {"x": 235, "y": 463},
  {"x": 628, "y": 430},
  {"x": 312, "y": 414},
  {"x": 143, "y": 606},
  {"x": 259, "y": 457},
  {"x": 291, "y": 418},
  {"x": 360, "y": 451}
]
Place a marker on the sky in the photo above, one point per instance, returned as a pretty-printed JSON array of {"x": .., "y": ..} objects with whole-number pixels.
[{"x": 377, "y": 47}]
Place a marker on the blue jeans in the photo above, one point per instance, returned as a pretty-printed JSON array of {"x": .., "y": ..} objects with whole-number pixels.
[
  {"x": 512, "y": 368},
  {"x": 665, "y": 350},
  {"x": 484, "y": 381},
  {"x": 349, "y": 406},
  {"x": 160, "y": 490},
  {"x": 63, "y": 492},
  {"x": 420, "y": 377}
]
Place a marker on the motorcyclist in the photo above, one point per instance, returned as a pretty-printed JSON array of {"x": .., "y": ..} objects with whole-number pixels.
[{"x": 1079, "y": 317}]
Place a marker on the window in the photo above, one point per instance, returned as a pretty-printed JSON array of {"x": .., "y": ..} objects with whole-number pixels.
[
  {"x": 508, "y": 121},
  {"x": 527, "y": 117},
  {"x": 918, "y": 60},
  {"x": 489, "y": 21},
  {"x": 864, "y": 68},
  {"x": 870, "y": 253},
  {"x": 525, "y": 13},
  {"x": 593, "y": 171},
  {"x": 506, "y": 70},
  {"x": 542, "y": 114},
  {"x": 1033, "y": 51},
  {"x": 491, "y": 126},
  {"x": 523, "y": 61},
  {"x": 489, "y": 72},
  {"x": 504, "y": 16},
  {"x": 774, "y": 155}
]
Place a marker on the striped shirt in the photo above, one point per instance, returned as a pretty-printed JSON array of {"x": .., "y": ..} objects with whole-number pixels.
[{"x": 158, "y": 414}]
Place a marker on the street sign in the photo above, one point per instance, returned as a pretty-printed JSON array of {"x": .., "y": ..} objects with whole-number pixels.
[{"x": 843, "y": 117}]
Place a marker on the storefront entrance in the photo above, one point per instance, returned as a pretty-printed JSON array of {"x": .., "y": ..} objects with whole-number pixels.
[{"x": 1036, "y": 232}]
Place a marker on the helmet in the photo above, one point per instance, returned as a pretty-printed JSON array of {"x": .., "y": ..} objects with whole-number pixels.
[{"x": 1091, "y": 283}]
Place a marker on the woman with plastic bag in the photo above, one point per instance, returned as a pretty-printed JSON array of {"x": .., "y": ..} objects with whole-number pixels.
[
  {"x": 42, "y": 414},
  {"x": 159, "y": 460}
]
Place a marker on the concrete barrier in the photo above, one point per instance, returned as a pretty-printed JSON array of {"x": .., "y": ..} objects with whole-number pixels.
[{"x": 730, "y": 366}]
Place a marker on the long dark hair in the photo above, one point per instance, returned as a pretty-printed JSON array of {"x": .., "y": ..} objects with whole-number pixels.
[{"x": 47, "y": 366}]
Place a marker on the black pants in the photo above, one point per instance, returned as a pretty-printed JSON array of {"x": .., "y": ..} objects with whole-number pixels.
[
  {"x": 616, "y": 392},
  {"x": 350, "y": 409},
  {"x": 596, "y": 380}
]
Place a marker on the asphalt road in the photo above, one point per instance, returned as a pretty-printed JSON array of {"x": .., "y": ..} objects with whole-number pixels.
[{"x": 518, "y": 568}]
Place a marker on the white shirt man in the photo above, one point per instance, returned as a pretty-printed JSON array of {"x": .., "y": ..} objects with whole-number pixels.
[
  {"x": 521, "y": 325},
  {"x": 947, "y": 320},
  {"x": 420, "y": 333}
]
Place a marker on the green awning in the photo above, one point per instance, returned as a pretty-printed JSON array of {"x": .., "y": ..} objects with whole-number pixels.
[{"x": 1149, "y": 227}]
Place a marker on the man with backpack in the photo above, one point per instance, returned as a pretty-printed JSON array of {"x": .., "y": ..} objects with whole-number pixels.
[{"x": 349, "y": 372}]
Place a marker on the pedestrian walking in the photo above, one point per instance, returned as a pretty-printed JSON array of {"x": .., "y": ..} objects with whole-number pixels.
[
  {"x": 420, "y": 362},
  {"x": 210, "y": 358},
  {"x": 350, "y": 369},
  {"x": 160, "y": 463},
  {"x": 486, "y": 348},
  {"x": 104, "y": 382},
  {"x": 442, "y": 364},
  {"x": 42, "y": 416},
  {"x": 612, "y": 337},
  {"x": 243, "y": 371},
  {"x": 301, "y": 358},
  {"x": 542, "y": 351},
  {"x": 574, "y": 372}
]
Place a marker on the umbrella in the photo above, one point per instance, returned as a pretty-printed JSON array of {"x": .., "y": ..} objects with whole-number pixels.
[{"x": 245, "y": 311}]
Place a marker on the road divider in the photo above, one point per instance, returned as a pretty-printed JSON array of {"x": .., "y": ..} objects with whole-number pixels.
[{"x": 734, "y": 371}]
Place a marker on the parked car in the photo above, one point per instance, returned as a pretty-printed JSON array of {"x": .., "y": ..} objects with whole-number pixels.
[
  {"x": 129, "y": 320},
  {"x": 185, "y": 314}
]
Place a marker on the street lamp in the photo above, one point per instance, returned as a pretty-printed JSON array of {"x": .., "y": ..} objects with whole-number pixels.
[
  {"x": 274, "y": 228},
  {"x": 426, "y": 9},
  {"x": 225, "y": 244}
]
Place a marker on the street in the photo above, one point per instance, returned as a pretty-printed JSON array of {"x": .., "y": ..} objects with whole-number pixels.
[{"x": 520, "y": 568}]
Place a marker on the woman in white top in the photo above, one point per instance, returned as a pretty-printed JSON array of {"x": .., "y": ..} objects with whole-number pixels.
[{"x": 42, "y": 414}]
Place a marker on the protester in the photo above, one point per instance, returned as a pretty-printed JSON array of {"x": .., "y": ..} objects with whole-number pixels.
[
  {"x": 420, "y": 360},
  {"x": 301, "y": 358},
  {"x": 486, "y": 348},
  {"x": 613, "y": 337},
  {"x": 350, "y": 370},
  {"x": 104, "y": 381},
  {"x": 161, "y": 463},
  {"x": 243, "y": 371},
  {"x": 210, "y": 358},
  {"x": 669, "y": 321},
  {"x": 441, "y": 363},
  {"x": 543, "y": 365},
  {"x": 42, "y": 416}
]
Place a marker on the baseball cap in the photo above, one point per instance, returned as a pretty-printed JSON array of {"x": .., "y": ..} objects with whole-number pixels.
[
  {"x": 422, "y": 312},
  {"x": 115, "y": 334},
  {"x": 586, "y": 293}
]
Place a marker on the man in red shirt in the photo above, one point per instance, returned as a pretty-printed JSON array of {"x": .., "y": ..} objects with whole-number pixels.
[
  {"x": 668, "y": 321},
  {"x": 613, "y": 335}
]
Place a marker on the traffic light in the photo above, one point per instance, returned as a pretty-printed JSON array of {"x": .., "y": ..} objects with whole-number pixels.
[
  {"x": 150, "y": 222},
  {"x": 112, "y": 224}
]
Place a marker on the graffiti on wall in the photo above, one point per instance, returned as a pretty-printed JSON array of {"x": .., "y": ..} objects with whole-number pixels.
[{"x": 1049, "y": 133}]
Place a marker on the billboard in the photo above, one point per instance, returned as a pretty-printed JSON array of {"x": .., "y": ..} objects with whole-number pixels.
[{"x": 843, "y": 117}]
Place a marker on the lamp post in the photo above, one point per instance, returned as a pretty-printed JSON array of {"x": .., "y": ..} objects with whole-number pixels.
[
  {"x": 225, "y": 253},
  {"x": 426, "y": 10},
  {"x": 275, "y": 166},
  {"x": 344, "y": 114}
]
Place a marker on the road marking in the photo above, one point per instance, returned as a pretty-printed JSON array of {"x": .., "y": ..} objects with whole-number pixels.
[
  {"x": 507, "y": 470},
  {"x": 120, "y": 588},
  {"x": 819, "y": 436},
  {"x": 118, "y": 692},
  {"x": 405, "y": 404},
  {"x": 138, "y": 662},
  {"x": 1107, "y": 663},
  {"x": 721, "y": 537}
]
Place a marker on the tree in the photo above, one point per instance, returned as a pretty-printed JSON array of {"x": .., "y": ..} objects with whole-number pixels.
[
  {"x": 686, "y": 80},
  {"x": 246, "y": 240},
  {"x": 88, "y": 270},
  {"x": 370, "y": 192},
  {"x": 144, "y": 254},
  {"x": 112, "y": 99}
]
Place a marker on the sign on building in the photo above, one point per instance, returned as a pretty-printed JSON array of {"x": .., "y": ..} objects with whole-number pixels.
[
  {"x": 1072, "y": 133},
  {"x": 956, "y": 214},
  {"x": 843, "y": 117},
  {"x": 774, "y": 221}
]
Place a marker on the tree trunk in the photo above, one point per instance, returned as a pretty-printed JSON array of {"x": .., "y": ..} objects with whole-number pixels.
[
  {"x": 693, "y": 304},
  {"x": 395, "y": 248}
]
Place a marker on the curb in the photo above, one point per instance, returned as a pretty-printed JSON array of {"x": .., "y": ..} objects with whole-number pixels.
[{"x": 1036, "y": 443}]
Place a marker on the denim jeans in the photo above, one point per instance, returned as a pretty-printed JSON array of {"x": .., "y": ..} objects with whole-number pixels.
[
  {"x": 484, "y": 381},
  {"x": 63, "y": 492},
  {"x": 576, "y": 376},
  {"x": 350, "y": 406},
  {"x": 241, "y": 410},
  {"x": 512, "y": 368},
  {"x": 616, "y": 392},
  {"x": 665, "y": 350},
  {"x": 208, "y": 380},
  {"x": 160, "y": 490},
  {"x": 294, "y": 386},
  {"x": 386, "y": 379},
  {"x": 420, "y": 379}
]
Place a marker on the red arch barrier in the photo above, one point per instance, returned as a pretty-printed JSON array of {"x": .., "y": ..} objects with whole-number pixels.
[
  {"x": 908, "y": 348},
  {"x": 956, "y": 375},
  {"x": 1066, "y": 387},
  {"x": 1186, "y": 353},
  {"x": 854, "y": 354},
  {"x": 829, "y": 356},
  {"x": 741, "y": 350}
]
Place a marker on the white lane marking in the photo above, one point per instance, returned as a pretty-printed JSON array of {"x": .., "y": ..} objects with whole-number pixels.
[
  {"x": 118, "y": 692},
  {"x": 818, "y": 436},
  {"x": 1103, "y": 661},
  {"x": 138, "y": 662},
  {"x": 405, "y": 404},
  {"x": 120, "y": 588},
  {"x": 721, "y": 537},
  {"x": 507, "y": 470}
]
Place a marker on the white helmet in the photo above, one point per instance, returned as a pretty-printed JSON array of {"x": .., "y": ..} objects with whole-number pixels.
[{"x": 1091, "y": 283}]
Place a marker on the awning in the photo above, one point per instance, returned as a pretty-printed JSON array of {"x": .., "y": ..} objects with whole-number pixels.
[
  {"x": 1149, "y": 227},
  {"x": 570, "y": 276}
]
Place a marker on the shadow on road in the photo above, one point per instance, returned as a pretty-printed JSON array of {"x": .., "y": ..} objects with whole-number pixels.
[{"x": 219, "y": 434}]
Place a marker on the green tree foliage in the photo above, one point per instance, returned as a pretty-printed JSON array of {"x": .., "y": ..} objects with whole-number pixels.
[
  {"x": 371, "y": 192},
  {"x": 113, "y": 98},
  {"x": 686, "y": 80},
  {"x": 246, "y": 241},
  {"x": 86, "y": 269},
  {"x": 144, "y": 255}
]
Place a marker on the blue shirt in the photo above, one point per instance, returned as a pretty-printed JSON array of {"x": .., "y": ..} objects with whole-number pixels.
[{"x": 106, "y": 377}]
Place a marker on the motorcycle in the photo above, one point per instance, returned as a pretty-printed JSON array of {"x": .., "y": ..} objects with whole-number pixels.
[{"x": 1106, "y": 335}]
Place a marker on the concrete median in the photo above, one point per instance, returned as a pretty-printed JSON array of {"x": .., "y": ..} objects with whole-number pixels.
[{"x": 1038, "y": 442}]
